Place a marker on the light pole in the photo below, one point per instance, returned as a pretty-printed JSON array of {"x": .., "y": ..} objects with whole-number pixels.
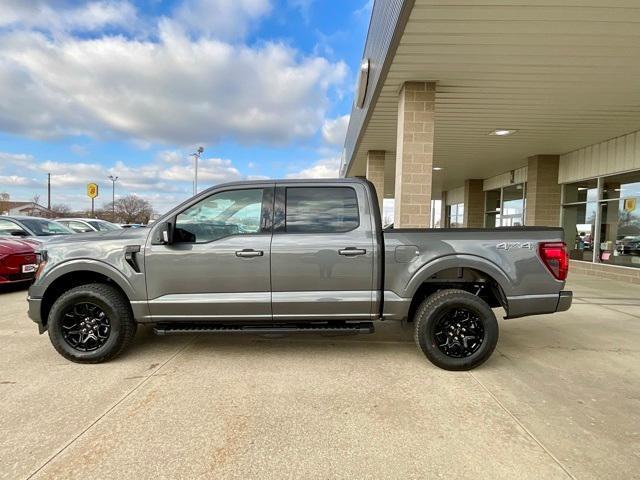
[
  {"x": 196, "y": 157},
  {"x": 113, "y": 197}
]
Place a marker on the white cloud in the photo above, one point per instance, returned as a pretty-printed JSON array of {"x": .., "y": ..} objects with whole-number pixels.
[
  {"x": 65, "y": 16},
  {"x": 364, "y": 10},
  {"x": 14, "y": 158},
  {"x": 334, "y": 130},
  {"x": 173, "y": 90},
  {"x": 324, "y": 168},
  {"x": 220, "y": 18},
  {"x": 165, "y": 180},
  {"x": 16, "y": 181},
  {"x": 304, "y": 6}
]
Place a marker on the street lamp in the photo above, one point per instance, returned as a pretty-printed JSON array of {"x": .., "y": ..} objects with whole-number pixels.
[
  {"x": 196, "y": 157},
  {"x": 113, "y": 197}
]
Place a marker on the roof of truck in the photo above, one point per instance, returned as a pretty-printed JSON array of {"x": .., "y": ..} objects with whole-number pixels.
[{"x": 288, "y": 181}]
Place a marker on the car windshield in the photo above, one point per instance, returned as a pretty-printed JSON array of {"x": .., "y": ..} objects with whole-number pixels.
[
  {"x": 102, "y": 225},
  {"x": 45, "y": 228}
]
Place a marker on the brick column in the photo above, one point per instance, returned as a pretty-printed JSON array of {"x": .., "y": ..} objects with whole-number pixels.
[
  {"x": 543, "y": 191},
  {"x": 473, "y": 203},
  {"x": 375, "y": 172},
  {"x": 414, "y": 155}
]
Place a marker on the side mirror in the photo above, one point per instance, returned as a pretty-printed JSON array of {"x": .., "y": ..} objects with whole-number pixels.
[
  {"x": 166, "y": 233},
  {"x": 19, "y": 233}
]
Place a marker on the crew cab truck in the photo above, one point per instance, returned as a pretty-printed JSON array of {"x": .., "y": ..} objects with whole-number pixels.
[{"x": 294, "y": 256}]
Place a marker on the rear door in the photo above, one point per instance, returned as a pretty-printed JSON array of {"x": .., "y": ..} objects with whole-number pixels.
[{"x": 322, "y": 252}]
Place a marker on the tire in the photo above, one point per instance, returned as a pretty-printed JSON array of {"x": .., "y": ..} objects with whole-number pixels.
[
  {"x": 452, "y": 315},
  {"x": 115, "y": 324}
]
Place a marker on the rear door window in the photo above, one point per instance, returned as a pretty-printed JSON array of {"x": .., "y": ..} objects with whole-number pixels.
[{"x": 321, "y": 210}]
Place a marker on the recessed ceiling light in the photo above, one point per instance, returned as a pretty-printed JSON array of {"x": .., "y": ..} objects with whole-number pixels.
[
  {"x": 503, "y": 132},
  {"x": 437, "y": 169}
]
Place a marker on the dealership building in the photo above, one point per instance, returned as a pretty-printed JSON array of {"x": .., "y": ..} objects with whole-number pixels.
[{"x": 506, "y": 113}]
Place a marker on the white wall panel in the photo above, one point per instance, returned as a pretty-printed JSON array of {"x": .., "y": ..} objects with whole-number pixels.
[
  {"x": 455, "y": 195},
  {"x": 617, "y": 155},
  {"x": 504, "y": 179}
]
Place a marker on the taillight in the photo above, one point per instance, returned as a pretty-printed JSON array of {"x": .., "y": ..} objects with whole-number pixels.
[{"x": 556, "y": 258}]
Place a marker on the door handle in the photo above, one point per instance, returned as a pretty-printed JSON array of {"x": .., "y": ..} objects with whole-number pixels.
[
  {"x": 249, "y": 252},
  {"x": 351, "y": 251}
]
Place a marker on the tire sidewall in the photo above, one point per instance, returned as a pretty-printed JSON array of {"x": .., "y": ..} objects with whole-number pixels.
[
  {"x": 427, "y": 327},
  {"x": 80, "y": 296}
]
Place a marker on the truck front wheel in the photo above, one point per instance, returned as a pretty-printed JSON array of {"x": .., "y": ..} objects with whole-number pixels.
[
  {"x": 91, "y": 323},
  {"x": 455, "y": 329}
]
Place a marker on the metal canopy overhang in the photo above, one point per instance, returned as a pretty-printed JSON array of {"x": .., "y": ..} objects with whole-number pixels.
[{"x": 565, "y": 74}]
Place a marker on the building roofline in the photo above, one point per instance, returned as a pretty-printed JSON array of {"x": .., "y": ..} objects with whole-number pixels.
[{"x": 388, "y": 21}]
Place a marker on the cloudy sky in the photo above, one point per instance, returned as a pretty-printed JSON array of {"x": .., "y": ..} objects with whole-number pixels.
[{"x": 130, "y": 88}]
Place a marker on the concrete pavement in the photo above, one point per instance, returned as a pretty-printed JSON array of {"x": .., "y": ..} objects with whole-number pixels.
[{"x": 560, "y": 398}]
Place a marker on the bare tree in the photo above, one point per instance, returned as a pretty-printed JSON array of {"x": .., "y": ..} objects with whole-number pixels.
[
  {"x": 60, "y": 210},
  {"x": 131, "y": 209},
  {"x": 33, "y": 211},
  {"x": 5, "y": 202}
]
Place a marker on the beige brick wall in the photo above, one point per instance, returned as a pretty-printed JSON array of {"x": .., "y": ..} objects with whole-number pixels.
[
  {"x": 604, "y": 271},
  {"x": 473, "y": 203},
  {"x": 414, "y": 155},
  {"x": 543, "y": 191},
  {"x": 375, "y": 172}
]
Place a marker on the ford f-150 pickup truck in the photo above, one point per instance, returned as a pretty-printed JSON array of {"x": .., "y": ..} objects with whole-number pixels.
[{"x": 294, "y": 256}]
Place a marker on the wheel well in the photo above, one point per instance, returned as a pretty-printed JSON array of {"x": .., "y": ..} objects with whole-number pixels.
[
  {"x": 474, "y": 281},
  {"x": 67, "y": 282}
]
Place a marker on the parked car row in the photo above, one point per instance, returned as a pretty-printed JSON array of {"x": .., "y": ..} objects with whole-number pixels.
[
  {"x": 20, "y": 237},
  {"x": 41, "y": 227}
]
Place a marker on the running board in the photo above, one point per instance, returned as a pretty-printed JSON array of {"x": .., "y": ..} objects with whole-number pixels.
[{"x": 191, "y": 328}]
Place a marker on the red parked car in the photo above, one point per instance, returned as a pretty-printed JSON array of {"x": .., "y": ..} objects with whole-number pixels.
[{"x": 18, "y": 260}]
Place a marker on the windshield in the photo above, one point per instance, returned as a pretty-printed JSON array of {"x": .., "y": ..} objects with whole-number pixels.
[
  {"x": 102, "y": 225},
  {"x": 45, "y": 228}
]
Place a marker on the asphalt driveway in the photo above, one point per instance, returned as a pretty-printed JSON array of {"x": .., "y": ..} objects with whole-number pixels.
[{"x": 560, "y": 398}]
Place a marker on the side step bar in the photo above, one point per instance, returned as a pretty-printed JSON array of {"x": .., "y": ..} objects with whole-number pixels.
[{"x": 193, "y": 328}]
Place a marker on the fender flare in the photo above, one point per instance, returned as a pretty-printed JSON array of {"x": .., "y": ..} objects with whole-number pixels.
[
  {"x": 89, "y": 265},
  {"x": 446, "y": 262}
]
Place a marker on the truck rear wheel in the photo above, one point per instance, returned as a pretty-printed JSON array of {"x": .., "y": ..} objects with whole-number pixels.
[
  {"x": 91, "y": 323},
  {"x": 455, "y": 329}
]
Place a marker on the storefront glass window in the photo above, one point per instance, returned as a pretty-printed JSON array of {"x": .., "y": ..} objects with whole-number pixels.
[
  {"x": 456, "y": 215},
  {"x": 513, "y": 206},
  {"x": 586, "y": 191},
  {"x": 579, "y": 228},
  {"x": 505, "y": 207},
  {"x": 620, "y": 214},
  {"x": 619, "y": 220}
]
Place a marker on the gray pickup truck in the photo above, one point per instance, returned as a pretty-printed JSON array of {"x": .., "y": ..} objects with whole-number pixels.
[{"x": 294, "y": 256}]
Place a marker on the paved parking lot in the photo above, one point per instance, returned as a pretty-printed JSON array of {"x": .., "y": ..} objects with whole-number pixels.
[{"x": 560, "y": 398}]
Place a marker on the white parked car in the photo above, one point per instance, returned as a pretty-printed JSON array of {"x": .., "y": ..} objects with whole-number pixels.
[{"x": 83, "y": 225}]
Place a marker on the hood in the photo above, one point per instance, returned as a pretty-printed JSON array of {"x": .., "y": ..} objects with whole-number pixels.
[
  {"x": 10, "y": 246},
  {"x": 134, "y": 234}
]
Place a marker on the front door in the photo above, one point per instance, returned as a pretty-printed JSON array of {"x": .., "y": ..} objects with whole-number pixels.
[
  {"x": 322, "y": 253},
  {"x": 218, "y": 267}
]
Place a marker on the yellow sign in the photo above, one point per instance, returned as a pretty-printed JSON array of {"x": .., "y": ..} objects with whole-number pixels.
[
  {"x": 92, "y": 190},
  {"x": 629, "y": 205}
]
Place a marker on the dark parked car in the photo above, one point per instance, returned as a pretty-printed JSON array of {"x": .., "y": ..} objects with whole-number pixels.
[
  {"x": 629, "y": 245},
  {"x": 18, "y": 260}
]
